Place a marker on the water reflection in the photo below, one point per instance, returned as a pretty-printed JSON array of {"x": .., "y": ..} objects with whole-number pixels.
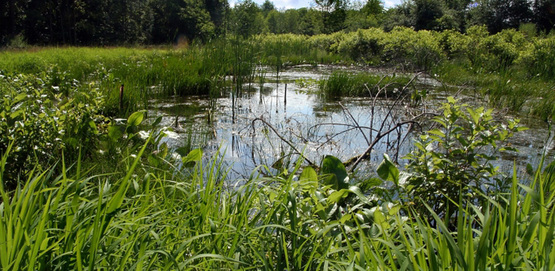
[{"x": 291, "y": 117}]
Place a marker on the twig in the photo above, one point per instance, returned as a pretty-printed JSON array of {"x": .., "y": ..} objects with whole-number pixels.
[
  {"x": 355, "y": 121},
  {"x": 283, "y": 139},
  {"x": 380, "y": 135}
]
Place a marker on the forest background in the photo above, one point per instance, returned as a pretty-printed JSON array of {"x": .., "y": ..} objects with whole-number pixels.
[{"x": 148, "y": 22}]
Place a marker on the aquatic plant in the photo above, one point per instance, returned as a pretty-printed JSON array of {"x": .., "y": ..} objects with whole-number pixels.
[{"x": 362, "y": 84}]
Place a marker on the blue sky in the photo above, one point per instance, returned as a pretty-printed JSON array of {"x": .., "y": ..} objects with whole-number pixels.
[{"x": 307, "y": 3}]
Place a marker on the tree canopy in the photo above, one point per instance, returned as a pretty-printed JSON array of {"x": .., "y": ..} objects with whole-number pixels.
[{"x": 111, "y": 22}]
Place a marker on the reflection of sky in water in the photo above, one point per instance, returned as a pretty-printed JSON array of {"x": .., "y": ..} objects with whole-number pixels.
[{"x": 303, "y": 119}]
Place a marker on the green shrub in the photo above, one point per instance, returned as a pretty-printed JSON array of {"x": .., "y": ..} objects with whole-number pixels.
[
  {"x": 539, "y": 58},
  {"x": 454, "y": 161},
  {"x": 364, "y": 45},
  {"x": 42, "y": 122},
  {"x": 411, "y": 49}
]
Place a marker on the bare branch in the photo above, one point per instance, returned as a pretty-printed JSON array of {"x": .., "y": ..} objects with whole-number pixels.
[
  {"x": 283, "y": 139},
  {"x": 366, "y": 153}
]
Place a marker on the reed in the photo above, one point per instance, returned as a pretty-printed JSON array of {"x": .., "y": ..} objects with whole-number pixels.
[{"x": 362, "y": 84}]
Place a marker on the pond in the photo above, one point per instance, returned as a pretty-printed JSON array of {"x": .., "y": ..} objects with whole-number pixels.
[{"x": 273, "y": 121}]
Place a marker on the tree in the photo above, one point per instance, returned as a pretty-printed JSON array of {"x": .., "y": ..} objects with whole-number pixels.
[
  {"x": 501, "y": 14},
  {"x": 373, "y": 7},
  {"x": 334, "y": 14},
  {"x": 401, "y": 15},
  {"x": 217, "y": 10},
  {"x": 272, "y": 21},
  {"x": 427, "y": 13},
  {"x": 267, "y": 6},
  {"x": 311, "y": 22},
  {"x": 544, "y": 14},
  {"x": 11, "y": 19},
  {"x": 244, "y": 17}
]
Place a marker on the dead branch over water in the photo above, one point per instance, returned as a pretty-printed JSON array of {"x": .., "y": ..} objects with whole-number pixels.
[{"x": 382, "y": 124}]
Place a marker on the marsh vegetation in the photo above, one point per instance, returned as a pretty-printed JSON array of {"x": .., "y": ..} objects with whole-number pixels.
[{"x": 358, "y": 156}]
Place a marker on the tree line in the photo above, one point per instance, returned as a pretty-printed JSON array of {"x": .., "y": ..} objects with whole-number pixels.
[{"x": 112, "y": 22}]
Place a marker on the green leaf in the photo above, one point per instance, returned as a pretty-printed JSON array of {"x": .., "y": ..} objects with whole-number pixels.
[
  {"x": 183, "y": 151},
  {"x": 136, "y": 118},
  {"x": 380, "y": 219},
  {"x": 153, "y": 160},
  {"x": 475, "y": 114},
  {"x": 388, "y": 171},
  {"x": 278, "y": 164},
  {"x": 157, "y": 121},
  {"x": 309, "y": 179},
  {"x": 20, "y": 97},
  {"x": 338, "y": 196},
  {"x": 370, "y": 183},
  {"x": 193, "y": 157},
  {"x": 92, "y": 125},
  {"x": 437, "y": 132},
  {"x": 345, "y": 218},
  {"x": 332, "y": 165},
  {"x": 115, "y": 133}
]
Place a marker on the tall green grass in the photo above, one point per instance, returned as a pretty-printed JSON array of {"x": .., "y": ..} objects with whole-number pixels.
[
  {"x": 362, "y": 84},
  {"x": 193, "y": 219}
]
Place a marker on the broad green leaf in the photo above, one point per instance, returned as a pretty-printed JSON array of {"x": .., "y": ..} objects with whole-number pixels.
[
  {"x": 388, "y": 171},
  {"x": 193, "y": 156},
  {"x": 475, "y": 114},
  {"x": 136, "y": 118},
  {"x": 157, "y": 121},
  {"x": 395, "y": 209},
  {"x": 183, "y": 151},
  {"x": 153, "y": 160},
  {"x": 437, "y": 132},
  {"x": 345, "y": 218},
  {"x": 92, "y": 125},
  {"x": 337, "y": 196},
  {"x": 118, "y": 197},
  {"x": 278, "y": 164},
  {"x": 309, "y": 179},
  {"x": 380, "y": 219},
  {"x": 370, "y": 183},
  {"x": 20, "y": 97},
  {"x": 332, "y": 165}
]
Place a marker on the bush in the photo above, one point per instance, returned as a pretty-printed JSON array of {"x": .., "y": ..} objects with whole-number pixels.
[
  {"x": 454, "y": 162},
  {"x": 494, "y": 52},
  {"x": 411, "y": 49},
  {"x": 41, "y": 123},
  {"x": 364, "y": 45},
  {"x": 539, "y": 58}
]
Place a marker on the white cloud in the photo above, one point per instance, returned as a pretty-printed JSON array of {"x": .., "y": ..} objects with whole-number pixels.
[{"x": 391, "y": 3}]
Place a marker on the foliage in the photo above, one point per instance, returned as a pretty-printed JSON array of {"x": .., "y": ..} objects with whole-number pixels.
[
  {"x": 501, "y": 14},
  {"x": 538, "y": 57},
  {"x": 419, "y": 50},
  {"x": 43, "y": 119},
  {"x": 193, "y": 219},
  {"x": 109, "y": 22},
  {"x": 456, "y": 161}
]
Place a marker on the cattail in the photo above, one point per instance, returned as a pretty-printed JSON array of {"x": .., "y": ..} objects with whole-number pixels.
[{"x": 121, "y": 97}]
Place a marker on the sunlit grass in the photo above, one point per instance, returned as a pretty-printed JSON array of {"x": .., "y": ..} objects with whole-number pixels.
[{"x": 196, "y": 220}]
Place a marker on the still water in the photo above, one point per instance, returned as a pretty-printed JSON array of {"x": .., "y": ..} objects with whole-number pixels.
[{"x": 273, "y": 121}]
